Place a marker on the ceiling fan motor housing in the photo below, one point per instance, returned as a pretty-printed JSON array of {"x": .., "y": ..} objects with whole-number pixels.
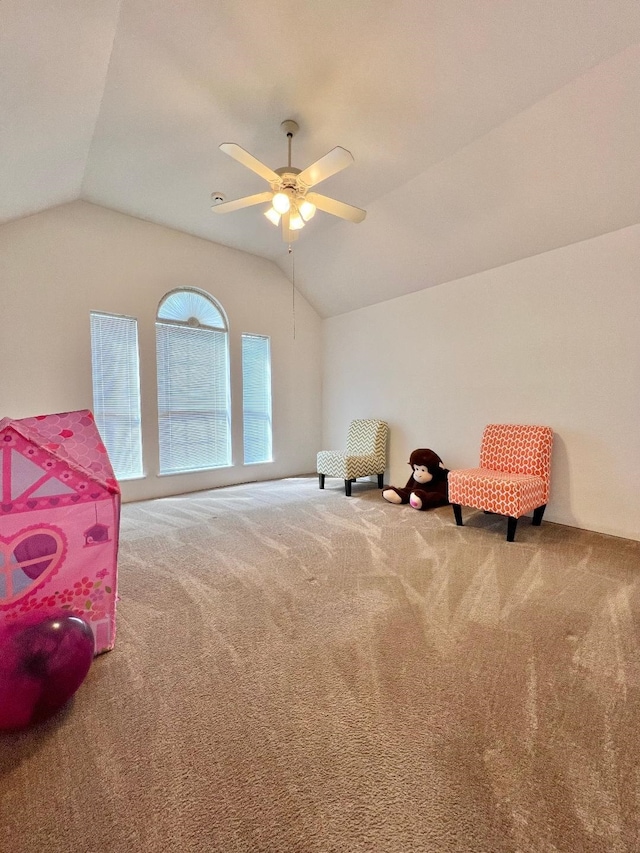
[
  {"x": 287, "y": 170},
  {"x": 289, "y": 184}
]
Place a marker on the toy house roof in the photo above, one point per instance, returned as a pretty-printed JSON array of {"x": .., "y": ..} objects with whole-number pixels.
[{"x": 71, "y": 437}]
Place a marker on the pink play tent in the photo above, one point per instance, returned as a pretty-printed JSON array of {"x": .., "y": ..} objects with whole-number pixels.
[{"x": 59, "y": 521}]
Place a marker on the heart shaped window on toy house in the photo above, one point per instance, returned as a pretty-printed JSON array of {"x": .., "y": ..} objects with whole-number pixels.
[{"x": 27, "y": 560}]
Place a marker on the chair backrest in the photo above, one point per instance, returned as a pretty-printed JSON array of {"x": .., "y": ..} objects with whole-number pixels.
[
  {"x": 368, "y": 437},
  {"x": 517, "y": 449}
]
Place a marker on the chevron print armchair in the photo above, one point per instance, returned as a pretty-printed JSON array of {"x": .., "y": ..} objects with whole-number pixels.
[
  {"x": 513, "y": 477},
  {"x": 366, "y": 455}
]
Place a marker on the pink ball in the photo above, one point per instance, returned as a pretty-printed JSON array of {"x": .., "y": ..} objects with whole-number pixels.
[{"x": 43, "y": 661}]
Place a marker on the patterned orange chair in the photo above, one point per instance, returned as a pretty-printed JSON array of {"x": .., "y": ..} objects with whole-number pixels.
[{"x": 513, "y": 477}]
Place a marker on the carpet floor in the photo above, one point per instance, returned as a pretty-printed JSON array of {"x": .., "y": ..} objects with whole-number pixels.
[{"x": 300, "y": 672}]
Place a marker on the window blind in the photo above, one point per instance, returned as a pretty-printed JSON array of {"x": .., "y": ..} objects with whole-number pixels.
[
  {"x": 256, "y": 399},
  {"x": 116, "y": 391},
  {"x": 193, "y": 398}
]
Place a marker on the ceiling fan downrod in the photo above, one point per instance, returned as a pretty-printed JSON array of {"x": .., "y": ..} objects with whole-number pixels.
[{"x": 290, "y": 127}]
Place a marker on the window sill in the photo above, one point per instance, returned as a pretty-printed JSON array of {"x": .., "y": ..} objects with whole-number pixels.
[{"x": 192, "y": 471}]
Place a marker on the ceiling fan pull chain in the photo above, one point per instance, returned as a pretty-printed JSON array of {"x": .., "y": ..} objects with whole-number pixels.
[{"x": 293, "y": 289}]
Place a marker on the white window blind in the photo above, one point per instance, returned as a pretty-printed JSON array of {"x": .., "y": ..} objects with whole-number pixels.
[
  {"x": 256, "y": 398},
  {"x": 194, "y": 417},
  {"x": 116, "y": 391}
]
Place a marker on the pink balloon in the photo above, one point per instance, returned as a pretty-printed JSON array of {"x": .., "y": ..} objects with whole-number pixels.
[{"x": 43, "y": 661}]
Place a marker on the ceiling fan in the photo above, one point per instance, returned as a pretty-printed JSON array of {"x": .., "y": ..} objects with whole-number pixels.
[{"x": 290, "y": 202}]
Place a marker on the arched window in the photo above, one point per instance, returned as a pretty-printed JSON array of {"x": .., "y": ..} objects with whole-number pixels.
[{"x": 194, "y": 414}]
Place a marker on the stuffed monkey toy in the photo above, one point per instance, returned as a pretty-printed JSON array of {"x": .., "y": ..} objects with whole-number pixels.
[{"x": 427, "y": 486}]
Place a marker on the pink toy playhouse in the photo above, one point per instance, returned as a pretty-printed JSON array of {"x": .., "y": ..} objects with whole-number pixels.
[{"x": 59, "y": 521}]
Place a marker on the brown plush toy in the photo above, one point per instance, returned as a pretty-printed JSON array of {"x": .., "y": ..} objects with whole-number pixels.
[{"x": 427, "y": 486}]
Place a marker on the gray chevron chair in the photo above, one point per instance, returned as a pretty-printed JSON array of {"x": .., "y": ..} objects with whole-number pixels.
[{"x": 365, "y": 456}]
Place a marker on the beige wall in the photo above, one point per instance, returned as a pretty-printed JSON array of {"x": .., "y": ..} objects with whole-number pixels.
[
  {"x": 553, "y": 339},
  {"x": 59, "y": 265},
  {"x": 550, "y": 339}
]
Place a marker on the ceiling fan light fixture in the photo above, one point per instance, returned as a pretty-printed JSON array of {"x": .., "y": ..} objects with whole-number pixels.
[
  {"x": 307, "y": 210},
  {"x": 272, "y": 215},
  {"x": 281, "y": 203},
  {"x": 296, "y": 222}
]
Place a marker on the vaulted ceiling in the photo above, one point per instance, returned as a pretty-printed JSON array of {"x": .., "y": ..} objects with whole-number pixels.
[{"x": 483, "y": 131}]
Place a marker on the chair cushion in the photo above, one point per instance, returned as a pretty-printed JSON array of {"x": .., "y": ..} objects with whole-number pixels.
[
  {"x": 497, "y": 491},
  {"x": 348, "y": 467}
]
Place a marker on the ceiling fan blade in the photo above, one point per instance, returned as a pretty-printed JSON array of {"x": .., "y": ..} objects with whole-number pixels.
[
  {"x": 239, "y": 203},
  {"x": 249, "y": 161},
  {"x": 336, "y": 208},
  {"x": 335, "y": 161}
]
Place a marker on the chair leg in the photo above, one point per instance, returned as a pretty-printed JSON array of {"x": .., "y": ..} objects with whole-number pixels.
[
  {"x": 537, "y": 515},
  {"x": 321, "y": 479},
  {"x": 381, "y": 480},
  {"x": 511, "y": 528},
  {"x": 457, "y": 512},
  {"x": 347, "y": 487}
]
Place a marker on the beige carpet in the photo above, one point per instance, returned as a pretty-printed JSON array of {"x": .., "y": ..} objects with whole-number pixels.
[{"x": 300, "y": 671}]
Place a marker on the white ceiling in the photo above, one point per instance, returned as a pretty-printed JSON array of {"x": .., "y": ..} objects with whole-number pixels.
[{"x": 483, "y": 131}]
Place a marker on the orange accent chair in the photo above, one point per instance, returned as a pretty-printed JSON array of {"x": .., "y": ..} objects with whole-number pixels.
[{"x": 513, "y": 477}]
